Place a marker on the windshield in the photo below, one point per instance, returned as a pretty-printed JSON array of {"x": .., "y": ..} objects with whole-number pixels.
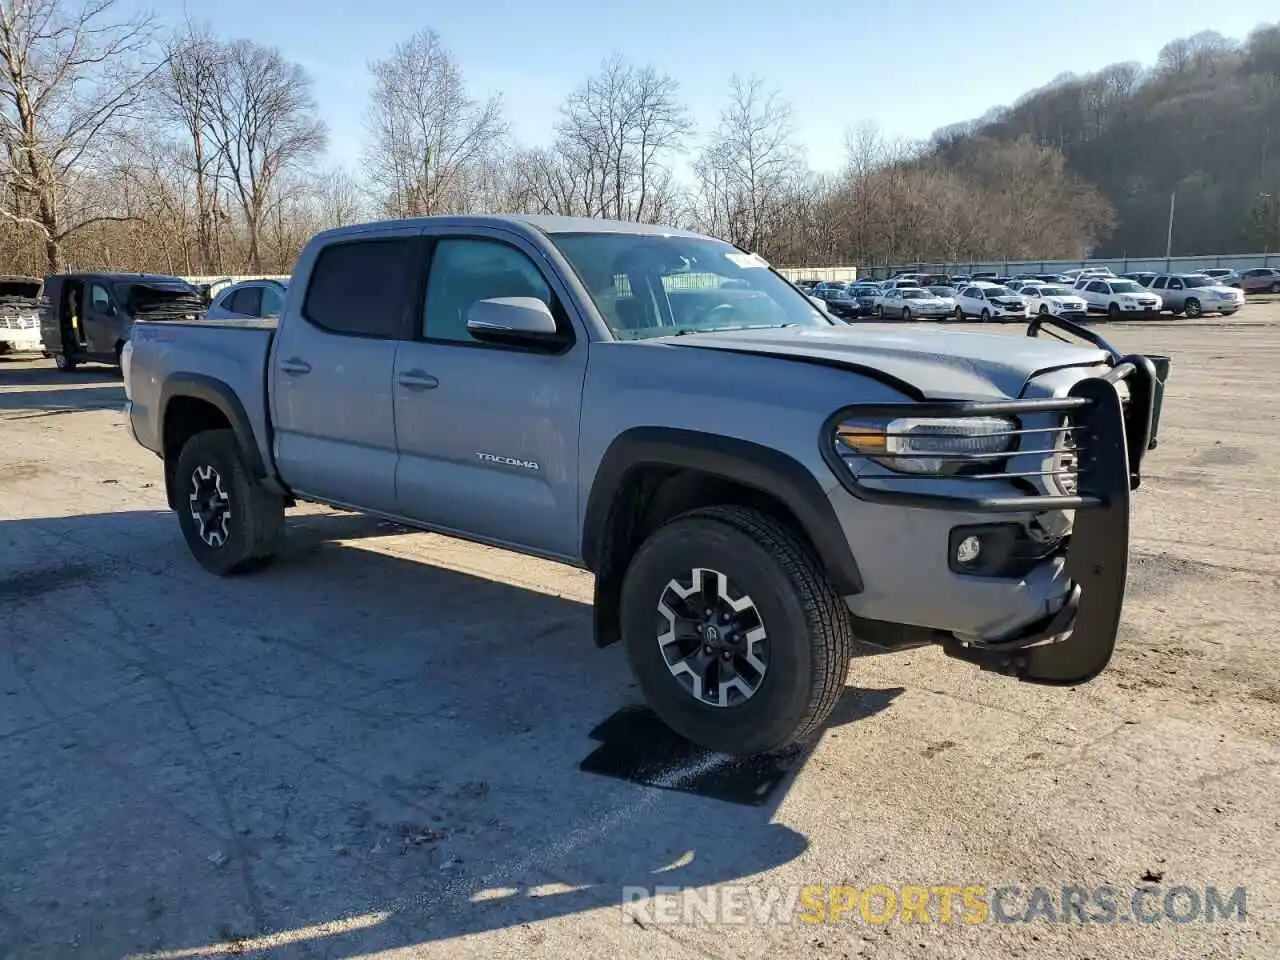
[
  {"x": 998, "y": 291},
  {"x": 656, "y": 286},
  {"x": 1199, "y": 281},
  {"x": 1054, "y": 292},
  {"x": 940, "y": 291},
  {"x": 916, "y": 295},
  {"x": 1125, "y": 286}
]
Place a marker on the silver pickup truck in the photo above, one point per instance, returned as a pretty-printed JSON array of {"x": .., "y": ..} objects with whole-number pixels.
[{"x": 752, "y": 483}]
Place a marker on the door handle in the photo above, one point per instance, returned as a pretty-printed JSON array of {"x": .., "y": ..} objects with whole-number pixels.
[
  {"x": 295, "y": 366},
  {"x": 417, "y": 380}
]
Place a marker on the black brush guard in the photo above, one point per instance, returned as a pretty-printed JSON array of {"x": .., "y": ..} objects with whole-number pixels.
[{"x": 1073, "y": 644}]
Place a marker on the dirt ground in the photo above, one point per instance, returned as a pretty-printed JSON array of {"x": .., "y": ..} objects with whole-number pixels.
[{"x": 372, "y": 748}]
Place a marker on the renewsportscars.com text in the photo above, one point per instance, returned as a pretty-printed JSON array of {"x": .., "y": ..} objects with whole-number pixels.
[{"x": 937, "y": 903}]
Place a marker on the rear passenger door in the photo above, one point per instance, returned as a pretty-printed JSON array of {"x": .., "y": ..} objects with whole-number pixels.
[
  {"x": 488, "y": 433},
  {"x": 332, "y": 365}
]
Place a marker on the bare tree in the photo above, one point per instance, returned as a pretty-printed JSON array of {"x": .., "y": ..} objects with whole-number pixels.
[
  {"x": 430, "y": 137},
  {"x": 748, "y": 168},
  {"x": 618, "y": 134},
  {"x": 262, "y": 118},
  {"x": 68, "y": 77},
  {"x": 186, "y": 91}
]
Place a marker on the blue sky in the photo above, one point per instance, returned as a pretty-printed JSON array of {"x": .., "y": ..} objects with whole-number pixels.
[{"x": 910, "y": 67}]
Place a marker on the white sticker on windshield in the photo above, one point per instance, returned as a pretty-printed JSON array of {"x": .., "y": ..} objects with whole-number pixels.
[{"x": 747, "y": 260}]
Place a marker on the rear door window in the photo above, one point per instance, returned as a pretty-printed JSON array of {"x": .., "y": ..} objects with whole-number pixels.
[
  {"x": 363, "y": 288},
  {"x": 247, "y": 301}
]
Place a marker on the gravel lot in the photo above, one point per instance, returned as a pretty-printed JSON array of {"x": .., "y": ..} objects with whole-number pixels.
[{"x": 372, "y": 748}]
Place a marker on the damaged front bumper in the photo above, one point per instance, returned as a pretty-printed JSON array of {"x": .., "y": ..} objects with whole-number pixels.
[{"x": 1073, "y": 640}]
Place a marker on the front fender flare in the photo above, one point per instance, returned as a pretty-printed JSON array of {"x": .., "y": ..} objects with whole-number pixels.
[{"x": 762, "y": 468}]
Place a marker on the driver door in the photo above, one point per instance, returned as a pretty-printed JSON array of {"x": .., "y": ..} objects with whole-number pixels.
[{"x": 487, "y": 434}]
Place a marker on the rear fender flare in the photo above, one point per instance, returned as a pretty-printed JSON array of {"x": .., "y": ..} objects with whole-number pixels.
[{"x": 218, "y": 394}]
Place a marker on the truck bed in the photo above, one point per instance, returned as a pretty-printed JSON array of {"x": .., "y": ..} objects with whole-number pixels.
[{"x": 233, "y": 352}]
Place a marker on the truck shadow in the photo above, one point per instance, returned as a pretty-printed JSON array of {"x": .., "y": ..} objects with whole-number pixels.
[{"x": 352, "y": 733}]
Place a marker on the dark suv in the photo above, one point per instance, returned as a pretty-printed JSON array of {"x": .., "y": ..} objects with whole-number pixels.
[{"x": 89, "y": 316}]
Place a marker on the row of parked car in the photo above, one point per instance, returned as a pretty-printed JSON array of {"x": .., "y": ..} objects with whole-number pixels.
[{"x": 1073, "y": 295}]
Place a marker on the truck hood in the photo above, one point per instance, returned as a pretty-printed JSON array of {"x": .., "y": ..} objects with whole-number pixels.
[{"x": 939, "y": 364}]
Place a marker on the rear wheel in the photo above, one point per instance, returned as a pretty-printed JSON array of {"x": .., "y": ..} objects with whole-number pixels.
[
  {"x": 959, "y": 315},
  {"x": 232, "y": 524},
  {"x": 63, "y": 362},
  {"x": 1275, "y": 287},
  {"x": 736, "y": 637}
]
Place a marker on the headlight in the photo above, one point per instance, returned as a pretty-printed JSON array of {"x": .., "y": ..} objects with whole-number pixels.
[{"x": 941, "y": 445}]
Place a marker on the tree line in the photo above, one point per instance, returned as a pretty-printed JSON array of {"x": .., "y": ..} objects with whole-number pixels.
[
  {"x": 131, "y": 147},
  {"x": 1199, "y": 131}
]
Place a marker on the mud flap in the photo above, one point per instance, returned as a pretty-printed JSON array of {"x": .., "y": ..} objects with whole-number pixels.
[{"x": 1098, "y": 559}]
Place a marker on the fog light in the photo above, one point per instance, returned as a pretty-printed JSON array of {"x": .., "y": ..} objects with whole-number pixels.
[{"x": 968, "y": 550}]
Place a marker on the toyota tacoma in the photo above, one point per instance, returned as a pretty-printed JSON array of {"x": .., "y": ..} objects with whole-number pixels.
[{"x": 753, "y": 484}]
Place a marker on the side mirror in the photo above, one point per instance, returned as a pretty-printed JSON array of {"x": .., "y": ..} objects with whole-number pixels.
[{"x": 516, "y": 320}]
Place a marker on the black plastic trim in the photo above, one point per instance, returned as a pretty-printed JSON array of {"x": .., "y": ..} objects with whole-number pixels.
[
  {"x": 740, "y": 461},
  {"x": 220, "y": 395},
  {"x": 1081, "y": 331}
]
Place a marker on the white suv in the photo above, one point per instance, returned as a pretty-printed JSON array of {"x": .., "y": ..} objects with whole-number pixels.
[
  {"x": 989, "y": 301},
  {"x": 1053, "y": 298},
  {"x": 1120, "y": 298}
]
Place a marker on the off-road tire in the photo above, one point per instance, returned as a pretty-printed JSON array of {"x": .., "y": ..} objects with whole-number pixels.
[
  {"x": 255, "y": 525},
  {"x": 810, "y": 633}
]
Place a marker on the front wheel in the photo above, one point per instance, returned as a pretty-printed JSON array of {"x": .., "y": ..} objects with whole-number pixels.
[
  {"x": 1113, "y": 311},
  {"x": 1275, "y": 287},
  {"x": 63, "y": 362},
  {"x": 879, "y": 311},
  {"x": 1192, "y": 308},
  {"x": 232, "y": 524},
  {"x": 986, "y": 315},
  {"x": 738, "y": 640},
  {"x": 1044, "y": 310},
  {"x": 906, "y": 313}
]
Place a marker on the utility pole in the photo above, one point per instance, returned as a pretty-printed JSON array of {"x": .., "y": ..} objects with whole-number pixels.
[{"x": 1168, "y": 244}]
